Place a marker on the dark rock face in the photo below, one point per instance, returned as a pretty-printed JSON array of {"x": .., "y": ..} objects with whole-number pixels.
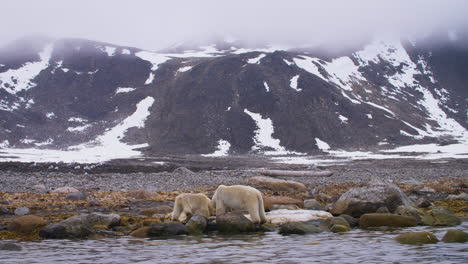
[
  {"x": 197, "y": 224},
  {"x": 80, "y": 88}
]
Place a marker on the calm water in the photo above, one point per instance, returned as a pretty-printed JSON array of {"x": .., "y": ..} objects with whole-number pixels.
[{"x": 357, "y": 246}]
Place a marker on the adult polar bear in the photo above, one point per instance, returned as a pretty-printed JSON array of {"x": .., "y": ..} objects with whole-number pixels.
[
  {"x": 189, "y": 204},
  {"x": 240, "y": 197}
]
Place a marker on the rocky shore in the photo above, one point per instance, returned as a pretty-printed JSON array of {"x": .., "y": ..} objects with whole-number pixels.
[{"x": 365, "y": 194}]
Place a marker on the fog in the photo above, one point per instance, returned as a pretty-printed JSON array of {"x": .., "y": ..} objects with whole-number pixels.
[{"x": 155, "y": 25}]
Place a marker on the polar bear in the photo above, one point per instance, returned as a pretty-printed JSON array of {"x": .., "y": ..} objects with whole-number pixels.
[
  {"x": 189, "y": 204},
  {"x": 240, "y": 197}
]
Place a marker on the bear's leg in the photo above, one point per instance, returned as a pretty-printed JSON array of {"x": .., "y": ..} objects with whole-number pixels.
[
  {"x": 254, "y": 215},
  {"x": 220, "y": 209},
  {"x": 261, "y": 210},
  {"x": 177, "y": 210}
]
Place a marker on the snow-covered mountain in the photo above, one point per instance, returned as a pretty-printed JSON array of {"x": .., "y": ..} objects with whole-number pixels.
[{"x": 104, "y": 100}]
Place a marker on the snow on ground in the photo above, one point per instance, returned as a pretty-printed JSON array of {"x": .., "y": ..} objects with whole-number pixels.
[
  {"x": 343, "y": 119},
  {"x": 322, "y": 145},
  {"x": 155, "y": 59},
  {"x": 106, "y": 147},
  {"x": 124, "y": 90},
  {"x": 293, "y": 83},
  {"x": 77, "y": 119},
  {"x": 78, "y": 128},
  {"x": 264, "y": 136},
  {"x": 257, "y": 59},
  {"x": 50, "y": 115},
  {"x": 184, "y": 69},
  {"x": 267, "y": 88},
  {"x": 21, "y": 79},
  {"x": 109, "y": 50},
  {"x": 289, "y": 63},
  {"x": 126, "y": 52},
  {"x": 222, "y": 149}
]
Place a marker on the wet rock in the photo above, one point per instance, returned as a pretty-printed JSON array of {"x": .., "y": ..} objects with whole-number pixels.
[
  {"x": 313, "y": 204},
  {"x": 417, "y": 238},
  {"x": 284, "y": 206},
  {"x": 268, "y": 201},
  {"x": 423, "y": 203},
  {"x": 22, "y": 211},
  {"x": 339, "y": 229},
  {"x": 234, "y": 222},
  {"x": 39, "y": 188},
  {"x": 441, "y": 216},
  {"x": 330, "y": 222},
  {"x": 299, "y": 228},
  {"x": 166, "y": 230},
  {"x": 455, "y": 236},
  {"x": 141, "y": 232},
  {"x": 196, "y": 225},
  {"x": 459, "y": 197},
  {"x": 96, "y": 219},
  {"x": 353, "y": 222},
  {"x": 65, "y": 189},
  {"x": 2, "y": 227},
  {"x": 390, "y": 220},
  {"x": 267, "y": 227},
  {"x": 285, "y": 216},
  {"x": 26, "y": 224},
  {"x": 358, "y": 201},
  {"x": 410, "y": 211},
  {"x": 276, "y": 184},
  {"x": 76, "y": 196},
  {"x": 73, "y": 227},
  {"x": 383, "y": 210},
  {"x": 161, "y": 209},
  {"x": 4, "y": 211},
  {"x": 8, "y": 246}
]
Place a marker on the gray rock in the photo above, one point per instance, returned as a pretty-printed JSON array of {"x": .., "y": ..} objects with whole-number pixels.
[
  {"x": 76, "y": 196},
  {"x": 460, "y": 197},
  {"x": 411, "y": 182},
  {"x": 166, "y": 230},
  {"x": 39, "y": 188},
  {"x": 108, "y": 220},
  {"x": 4, "y": 211},
  {"x": 410, "y": 211},
  {"x": 455, "y": 236},
  {"x": 22, "y": 211},
  {"x": 329, "y": 223},
  {"x": 441, "y": 216},
  {"x": 65, "y": 190},
  {"x": 353, "y": 222},
  {"x": 313, "y": 204},
  {"x": 383, "y": 210},
  {"x": 10, "y": 246},
  {"x": 234, "y": 222},
  {"x": 284, "y": 206},
  {"x": 358, "y": 201},
  {"x": 299, "y": 228},
  {"x": 197, "y": 224},
  {"x": 324, "y": 198}
]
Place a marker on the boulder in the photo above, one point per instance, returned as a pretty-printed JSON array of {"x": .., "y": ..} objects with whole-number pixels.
[
  {"x": 441, "y": 216},
  {"x": 268, "y": 201},
  {"x": 76, "y": 196},
  {"x": 8, "y": 246},
  {"x": 22, "y": 211},
  {"x": 383, "y": 210},
  {"x": 410, "y": 211},
  {"x": 299, "y": 228},
  {"x": 455, "y": 236},
  {"x": 141, "y": 232},
  {"x": 285, "y": 216},
  {"x": 417, "y": 238},
  {"x": 4, "y": 211},
  {"x": 234, "y": 222},
  {"x": 330, "y": 223},
  {"x": 353, "y": 222},
  {"x": 390, "y": 220},
  {"x": 140, "y": 194},
  {"x": 161, "y": 209},
  {"x": 362, "y": 200},
  {"x": 39, "y": 188},
  {"x": 459, "y": 197},
  {"x": 73, "y": 227},
  {"x": 324, "y": 198},
  {"x": 166, "y": 230},
  {"x": 65, "y": 190},
  {"x": 284, "y": 206},
  {"x": 277, "y": 184},
  {"x": 98, "y": 219},
  {"x": 313, "y": 204},
  {"x": 196, "y": 225},
  {"x": 26, "y": 224}
]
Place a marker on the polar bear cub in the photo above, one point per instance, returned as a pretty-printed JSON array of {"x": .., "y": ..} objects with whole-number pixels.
[
  {"x": 240, "y": 197},
  {"x": 189, "y": 204}
]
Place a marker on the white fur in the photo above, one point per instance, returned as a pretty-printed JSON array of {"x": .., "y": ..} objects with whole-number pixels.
[
  {"x": 240, "y": 197},
  {"x": 189, "y": 204}
]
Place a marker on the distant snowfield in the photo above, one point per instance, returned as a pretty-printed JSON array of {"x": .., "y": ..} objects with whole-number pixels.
[{"x": 106, "y": 147}]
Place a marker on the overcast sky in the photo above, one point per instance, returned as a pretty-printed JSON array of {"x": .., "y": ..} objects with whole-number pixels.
[{"x": 157, "y": 24}]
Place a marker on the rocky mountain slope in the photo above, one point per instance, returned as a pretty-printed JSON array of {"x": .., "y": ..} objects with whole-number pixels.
[{"x": 224, "y": 98}]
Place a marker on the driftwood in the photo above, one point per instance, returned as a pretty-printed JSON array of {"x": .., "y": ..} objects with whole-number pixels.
[{"x": 291, "y": 173}]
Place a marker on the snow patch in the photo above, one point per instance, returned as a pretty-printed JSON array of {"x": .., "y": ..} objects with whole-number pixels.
[
  {"x": 293, "y": 83},
  {"x": 50, "y": 115},
  {"x": 267, "y": 88},
  {"x": 369, "y": 116},
  {"x": 289, "y": 63},
  {"x": 222, "y": 149},
  {"x": 256, "y": 60},
  {"x": 155, "y": 59},
  {"x": 124, "y": 90},
  {"x": 77, "y": 119},
  {"x": 78, "y": 128},
  {"x": 126, "y": 52},
  {"x": 343, "y": 119},
  {"x": 14, "y": 81},
  {"x": 322, "y": 145},
  {"x": 184, "y": 69},
  {"x": 110, "y": 51}
]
